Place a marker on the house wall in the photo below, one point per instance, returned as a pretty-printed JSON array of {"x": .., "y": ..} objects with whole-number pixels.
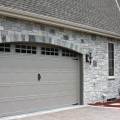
[{"x": 96, "y": 81}]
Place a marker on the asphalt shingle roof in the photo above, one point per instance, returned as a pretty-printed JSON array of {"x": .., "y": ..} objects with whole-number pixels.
[
  {"x": 103, "y": 14},
  {"x": 118, "y": 2}
]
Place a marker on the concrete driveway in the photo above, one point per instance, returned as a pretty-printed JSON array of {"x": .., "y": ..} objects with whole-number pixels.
[{"x": 81, "y": 113}]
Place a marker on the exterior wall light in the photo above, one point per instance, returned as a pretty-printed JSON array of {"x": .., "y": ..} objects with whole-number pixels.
[{"x": 89, "y": 58}]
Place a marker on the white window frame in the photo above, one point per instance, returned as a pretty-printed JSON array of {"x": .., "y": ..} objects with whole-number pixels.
[{"x": 111, "y": 77}]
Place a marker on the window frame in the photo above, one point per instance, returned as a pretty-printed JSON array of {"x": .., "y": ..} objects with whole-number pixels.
[
  {"x": 26, "y": 49},
  {"x": 69, "y": 54},
  {"x": 50, "y": 50},
  {"x": 111, "y": 76},
  {"x": 4, "y": 47}
]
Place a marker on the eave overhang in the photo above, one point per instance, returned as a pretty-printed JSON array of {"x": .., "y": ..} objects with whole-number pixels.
[{"x": 5, "y": 11}]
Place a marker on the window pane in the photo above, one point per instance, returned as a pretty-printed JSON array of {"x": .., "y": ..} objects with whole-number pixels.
[
  {"x": 7, "y": 49},
  {"x": 28, "y": 51},
  {"x": 23, "y": 47},
  {"x": 34, "y": 48},
  {"x": 111, "y": 64},
  {"x": 1, "y": 45},
  {"x": 7, "y": 45},
  {"x": 28, "y": 47},
  {"x": 56, "y": 54},
  {"x": 17, "y": 46},
  {"x": 1, "y": 49},
  {"x": 47, "y": 53},
  {"x": 111, "y": 58},
  {"x": 111, "y": 55},
  {"x": 52, "y": 49},
  {"x": 47, "y": 49},
  {"x": 33, "y": 52},
  {"x": 43, "y": 52},
  {"x": 52, "y": 53},
  {"x": 17, "y": 50},
  {"x": 42, "y": 48},
  {"x": 23, "y": 51}
]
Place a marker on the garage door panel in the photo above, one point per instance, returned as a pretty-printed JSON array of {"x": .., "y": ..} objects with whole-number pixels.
[
  {"x": 32, "y": 90},
  {"x": 19, "y": 77},
  {"x": 19, "y": 91},
  {"x": 49, "y": 89},
  {"x": 34, "y": 104},
  {"x": 48, "y": 103},
  {"x": 5, "y": 78},
  {"x": 70, "y": 75},
  {"x": 5, "y": 92},
  {"x": 65, "y": 100},
  {"x": 51, "y": 77},
  {"x": 32, "y": 77},
  {"x": 19, "y": 106},
  {"x": 57, "y": 101},
  {"x": 69, "y": 87},
  {"x": 5, "y": 62},
  {"x": 5, "y": 108},
  {"x": 20, "y": 63},
  {"x": 51, "y": 64}
]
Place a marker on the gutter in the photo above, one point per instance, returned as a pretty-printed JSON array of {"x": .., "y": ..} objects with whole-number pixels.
[{"x": 6, "y": 11}]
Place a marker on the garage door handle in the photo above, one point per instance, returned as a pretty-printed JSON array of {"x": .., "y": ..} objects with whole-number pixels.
[{"x": 39, "y": 77}]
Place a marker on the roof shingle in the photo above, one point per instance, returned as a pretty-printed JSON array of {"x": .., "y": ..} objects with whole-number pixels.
[{"x": 102, "y": 14}]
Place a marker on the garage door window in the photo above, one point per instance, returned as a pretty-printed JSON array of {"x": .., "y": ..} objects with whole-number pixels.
[
  {"x": 49, "y": 51},
  {"x": 66, "y": 53},
  {"x": 25, "y": 49},
  {"x": 4, "y": 47}
]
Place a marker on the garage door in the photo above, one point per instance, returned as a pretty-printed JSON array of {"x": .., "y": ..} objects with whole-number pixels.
[{"x": 34, "y": 78}]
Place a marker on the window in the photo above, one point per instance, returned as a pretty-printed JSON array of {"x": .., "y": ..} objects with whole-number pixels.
[
  {"x": 4, "y": 47},
  {"x": 49, "y": 51},
  {"x": 111, "y": 58},
  {"x": 67, "y": 53},
  {"x": 25, "y": 49}
]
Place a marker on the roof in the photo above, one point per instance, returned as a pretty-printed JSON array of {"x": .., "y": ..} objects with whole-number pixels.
[
  {"x": 102, "y": 14},
  {"x": 118, "y": 2}
]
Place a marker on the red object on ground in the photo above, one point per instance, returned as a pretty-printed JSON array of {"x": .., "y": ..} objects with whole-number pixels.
[{"x": 108, "y": 104}]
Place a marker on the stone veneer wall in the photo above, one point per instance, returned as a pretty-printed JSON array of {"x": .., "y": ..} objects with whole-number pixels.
[{"x": 95, "y": 76}]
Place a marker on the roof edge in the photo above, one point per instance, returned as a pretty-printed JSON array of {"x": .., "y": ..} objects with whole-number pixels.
[
  {"x": 117, "y": 5},
  {"x": 6, "y": 11}
]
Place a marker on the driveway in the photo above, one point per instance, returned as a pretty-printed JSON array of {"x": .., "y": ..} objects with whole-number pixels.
[{"x": 81, "y": 113}]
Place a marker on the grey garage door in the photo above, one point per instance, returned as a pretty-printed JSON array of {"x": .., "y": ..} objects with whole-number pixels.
[{"x": 34, "y": 78}]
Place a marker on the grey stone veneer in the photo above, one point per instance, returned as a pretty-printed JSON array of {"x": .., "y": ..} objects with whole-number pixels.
[{"x": 96, "y": 80}]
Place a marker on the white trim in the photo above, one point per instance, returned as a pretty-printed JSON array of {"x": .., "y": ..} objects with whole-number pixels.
[
  {"x": 6, "y": 11},
  {"x": 111, "y": 77},
  {"x": 41, "y": 113},
  {"x": 117, "y": 5}
]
